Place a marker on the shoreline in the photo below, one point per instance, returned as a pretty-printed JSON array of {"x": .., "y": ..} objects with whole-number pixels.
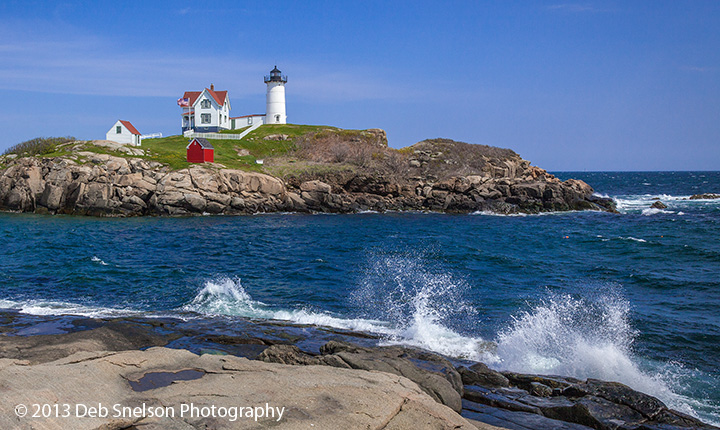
[{"x": 504, "y": 399}]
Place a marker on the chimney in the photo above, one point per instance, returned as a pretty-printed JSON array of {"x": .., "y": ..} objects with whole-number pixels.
[{"x": 212, "y": 87}]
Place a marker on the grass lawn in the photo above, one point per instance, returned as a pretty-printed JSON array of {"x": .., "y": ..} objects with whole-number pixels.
[{"x": 171, "y": 150}]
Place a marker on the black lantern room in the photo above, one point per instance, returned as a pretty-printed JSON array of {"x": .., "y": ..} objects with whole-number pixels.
[{"x": 275, "y": 76}]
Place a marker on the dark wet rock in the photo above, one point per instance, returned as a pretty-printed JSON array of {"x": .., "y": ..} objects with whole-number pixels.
[
  {"x": 525, "y": 381},
  {"x": 705, "y": 196},
  {"x": 618, "y": 393},
  {"x": 540, "y": 390},
  {"x": 514, "y": 420},
  {"x": 110, "y": 337},
  {"x": 658, "y": 205},
  {"x": 497, "y": 399},
  {"x": 480, "y": 374},
  {"x": 602, "y": 414}
]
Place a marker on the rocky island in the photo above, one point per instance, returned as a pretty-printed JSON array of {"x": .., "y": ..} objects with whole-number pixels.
[{"x": 282, "y": 168}]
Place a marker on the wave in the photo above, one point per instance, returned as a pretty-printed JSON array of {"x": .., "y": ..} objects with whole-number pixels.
[
  {"x": 655, "y": 211},
  {"x": 406, "y": 303},
  {"x": 581, "y": 338},
  {"x": 634, "y": 239},
  {"x": 426, "y": 307},
  {"x": 227, "y": 297},
  {"x": 520, "y": 214},
  {"x": 641, "y": 203},
  {"x": 48, "y": 307},
  {"x": 95, "y": 259}
]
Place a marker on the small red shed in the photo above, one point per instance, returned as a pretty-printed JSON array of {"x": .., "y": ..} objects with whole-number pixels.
[{"x": 199, "y": 150}]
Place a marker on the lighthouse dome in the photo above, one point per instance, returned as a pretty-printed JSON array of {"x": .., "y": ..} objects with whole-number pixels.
[{"x": 275, "y": 76}]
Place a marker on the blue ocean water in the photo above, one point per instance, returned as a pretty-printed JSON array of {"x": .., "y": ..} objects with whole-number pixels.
[{"x": 632, "y": 297}]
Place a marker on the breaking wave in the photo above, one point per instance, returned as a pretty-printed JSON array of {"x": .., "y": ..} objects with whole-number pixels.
[
  {"x": 227, "y": 297},
  {"x": 581, "y": 338},
  {"x": 427, "y": 308},
  {"x": 47, "y": 307},
  {"x": 641, "y": 203}
]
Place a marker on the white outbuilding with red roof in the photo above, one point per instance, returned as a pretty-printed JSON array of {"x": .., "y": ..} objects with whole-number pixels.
[{"x": 124, "y": 132}]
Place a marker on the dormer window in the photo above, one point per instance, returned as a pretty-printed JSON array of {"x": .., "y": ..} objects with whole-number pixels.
[{"x": 205, "y": 104}]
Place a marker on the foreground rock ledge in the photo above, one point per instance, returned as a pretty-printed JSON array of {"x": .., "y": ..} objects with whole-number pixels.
[{"x": 317, "y": 397}]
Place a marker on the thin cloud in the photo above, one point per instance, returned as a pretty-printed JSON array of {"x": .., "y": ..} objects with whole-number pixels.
[
  {"x": 86, "y": 65},
  {"x": 698, "y": 69},
  {"x": 575, "y": 8}
]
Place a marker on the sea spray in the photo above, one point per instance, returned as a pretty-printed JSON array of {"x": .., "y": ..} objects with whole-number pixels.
[
  {"x": 583, "y": 338},
  {"x": 425, "y": 307}
]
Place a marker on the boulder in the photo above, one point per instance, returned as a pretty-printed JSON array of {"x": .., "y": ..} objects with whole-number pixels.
[
  {"x": 442, "y": 385},
  {"x": 658, "y": 205},
  {"x": 480, "y": 374}
]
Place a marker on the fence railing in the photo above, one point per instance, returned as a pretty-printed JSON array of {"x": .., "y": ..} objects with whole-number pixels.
[{"x": 191, "y": 134}]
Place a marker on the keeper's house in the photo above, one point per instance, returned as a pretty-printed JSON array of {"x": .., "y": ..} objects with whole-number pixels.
[
  {"x": 123, "y": 132},
  {"x": 205, "y": 111},
  {"x": 199, "y": 150}
]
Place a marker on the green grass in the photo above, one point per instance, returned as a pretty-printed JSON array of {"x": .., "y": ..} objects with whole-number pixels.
[{"x": 172, "y": 150}]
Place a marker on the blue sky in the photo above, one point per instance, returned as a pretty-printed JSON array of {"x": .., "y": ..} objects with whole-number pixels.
[{"x": 568, "y": 85}]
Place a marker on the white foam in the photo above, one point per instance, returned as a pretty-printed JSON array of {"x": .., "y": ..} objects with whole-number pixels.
[
  {"x": 655, "y": 211},
  {"x": 634, "y": 239},
  {"x": 573, "y": 337},
  {"x": 547, "y": 213},
  {"x": 45, "y": 307},
  {"x": 98, "y": 260},
  {"x": 641, "y": 203},
  {"x": 227, "y": 297}
]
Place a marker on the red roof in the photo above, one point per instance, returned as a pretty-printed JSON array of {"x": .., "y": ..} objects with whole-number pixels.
[
  {"x": 130, "y": 127},
  {"x": 192, "y": 96},
  {"x": 219, "y": 96}
]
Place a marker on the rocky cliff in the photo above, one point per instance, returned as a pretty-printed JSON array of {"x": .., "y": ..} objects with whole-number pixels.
[{"x": 347, "y": 174}]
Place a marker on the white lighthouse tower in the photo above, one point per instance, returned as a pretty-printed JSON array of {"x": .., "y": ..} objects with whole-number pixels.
[{"x": 275, "y": 110}]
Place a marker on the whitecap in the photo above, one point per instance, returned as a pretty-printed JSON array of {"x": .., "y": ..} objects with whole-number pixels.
[
  {"x": 635, "y": 239},
  {"x": 655, "y": 211},
  {"x": 227, "y": 297},
  {"x": 98, "y": 260},
  {"x": 49, "y": 307}
]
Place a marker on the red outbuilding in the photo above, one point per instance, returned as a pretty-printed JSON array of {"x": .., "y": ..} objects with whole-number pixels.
[{"x": 199, "y": 150}]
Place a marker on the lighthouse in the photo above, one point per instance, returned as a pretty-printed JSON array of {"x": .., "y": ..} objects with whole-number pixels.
[{"x": 275, "y": 110}]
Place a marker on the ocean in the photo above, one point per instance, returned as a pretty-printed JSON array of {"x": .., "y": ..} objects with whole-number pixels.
[{"x": 631, "y": 297}]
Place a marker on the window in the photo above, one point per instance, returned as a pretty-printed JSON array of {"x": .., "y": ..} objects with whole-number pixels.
[
  {"x": 250, "y": 120},
  {"x": 205, "y": 104},
  {"x": 205, "y": 118},
  {"x": 277, "y": 118},
  {"x": 118, "y": 129}
]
